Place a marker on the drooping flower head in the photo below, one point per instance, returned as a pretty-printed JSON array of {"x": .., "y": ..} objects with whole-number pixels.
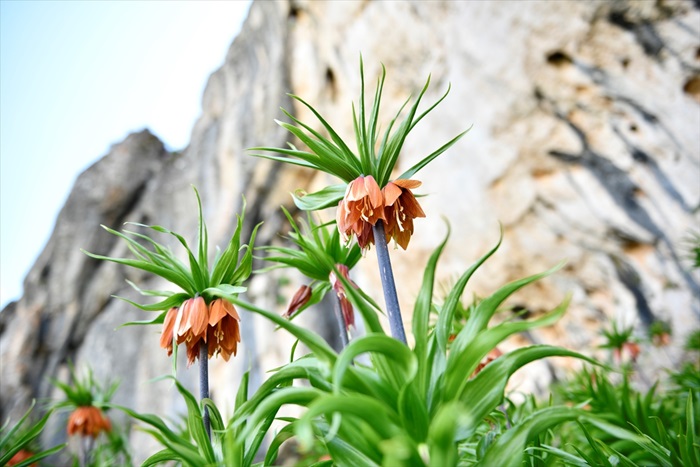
[
  {"x": 224, "y": 332},
  {"x": 301, "y": 297},
  {"x": 88, "y": 421},
  {"x": 88, "y": 401},
  {"x": 202, "y": 313},
  {"x": 364, "y": 204},
  {"x": 361, "y": 208},
  {"x": 320, "y": 252},
  {"x": 216, "y": 325},
  {"x": 401, "y": 207}
]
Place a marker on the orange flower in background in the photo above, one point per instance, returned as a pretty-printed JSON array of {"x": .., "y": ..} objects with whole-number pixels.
[
  {"x": 224, "y": 332},
  {"x": 300, "y": 298},
  {"x": 345, "y": 305},
  {"x": 628, "y": 352},
  {"x": 401, "y": 207},
  {"x": 21, "y": 456},
  {"x": 361, "y": 208},
  {"x": 491, "y": 356},
  {"x": 88, "y": 421}
]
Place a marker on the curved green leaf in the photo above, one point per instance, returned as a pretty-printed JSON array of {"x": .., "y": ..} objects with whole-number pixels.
[{"x": 325, "y": 198}]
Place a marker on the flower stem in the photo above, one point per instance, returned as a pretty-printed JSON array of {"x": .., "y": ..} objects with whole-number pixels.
[
  {"x": 385, "y": 272},
  {"x": 204, "y": 382},
  {"x": 341, "y": 322}
]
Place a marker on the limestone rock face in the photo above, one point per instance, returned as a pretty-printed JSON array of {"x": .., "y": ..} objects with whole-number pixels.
[{"x": 585, "y": 146}]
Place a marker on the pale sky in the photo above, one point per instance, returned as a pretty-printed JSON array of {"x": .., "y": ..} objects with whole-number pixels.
[{"x": 77, "y": 77}]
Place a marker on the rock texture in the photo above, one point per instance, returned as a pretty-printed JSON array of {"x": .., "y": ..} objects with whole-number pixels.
[{"x": 585, "y": 146}]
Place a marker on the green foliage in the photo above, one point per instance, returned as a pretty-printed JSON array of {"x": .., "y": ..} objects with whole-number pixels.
[
  {"x": 406, "y": 406},
  {"x": 638, "y": 428},
  {"x": 22, "y": 436},
  {"x": 83, "y": 390},
  {"x": 228, "y": 271},
  {"x": 441, "y": 402},
  {"x": 191, "y": 448},
  {"x": 375, "y": 155}
]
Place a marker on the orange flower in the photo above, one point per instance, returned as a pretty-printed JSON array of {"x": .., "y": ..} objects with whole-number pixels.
[
  {"x": 401, "y": 207},
  {"x": 195, "y": 322},
  {"x": 627, "y": 352},
  {"x": 166, "y": 337},
  {"x": 300, "y": 298},
  {"x": 492, "y": 355},
  {"x": 88, "y": 421},
  {"x": 190, "y": 326},
  {"x": 21, "y": 456},
  {"x": 345, "y": 305},
  {"x": 224, "y": 332},
  {"x": 191, "y": 322},
  {"x": 360, "y": 209}
]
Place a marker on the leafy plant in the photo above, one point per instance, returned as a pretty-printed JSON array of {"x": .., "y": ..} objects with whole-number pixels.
[
  {"x": 18, "y": 444},
  {"x": 407, "y": 406}
]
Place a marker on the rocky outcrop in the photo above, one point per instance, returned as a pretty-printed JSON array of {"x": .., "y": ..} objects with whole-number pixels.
[{"x": 585, "y": 146}]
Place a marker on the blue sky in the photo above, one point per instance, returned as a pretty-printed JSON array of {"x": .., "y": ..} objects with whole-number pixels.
[{"x": 76, "y": 77}]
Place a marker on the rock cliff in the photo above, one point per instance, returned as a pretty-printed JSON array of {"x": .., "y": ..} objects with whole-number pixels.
[{"x": 585, "y": 146}]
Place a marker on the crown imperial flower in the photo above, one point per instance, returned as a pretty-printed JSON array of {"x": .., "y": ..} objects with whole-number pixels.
[
  {"x": 401, "y": 207},
  {"x": 361, "y": 208},
  {"x": 88, "y": 421},
  {"x": 194, "y": 322},
  {"x": 224, "y": 332}
]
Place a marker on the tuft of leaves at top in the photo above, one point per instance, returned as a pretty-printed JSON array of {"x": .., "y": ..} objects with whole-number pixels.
[{"x": 375, "y": 154}]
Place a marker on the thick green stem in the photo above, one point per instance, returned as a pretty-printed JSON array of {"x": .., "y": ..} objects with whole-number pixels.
[
  {"x": 343, "y": 332},
  {"x": 204, "y": 382},
  {"x": 387, "y": 276}
]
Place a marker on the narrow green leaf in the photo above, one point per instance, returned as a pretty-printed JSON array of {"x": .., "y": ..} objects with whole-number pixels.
[
  {"x": 444, "y": 323},
  {"x": 432, "y": 156},
  {"x": 325, "y": 198},
  {"x": 484, "y": 392},
  {"x": 464, "y": 357},
  {"x": 170, "y": 302},
  {"x": 312, "y": 340},
  {"x": 509, "y": 449},
  {"x": 421, "y": 312}
]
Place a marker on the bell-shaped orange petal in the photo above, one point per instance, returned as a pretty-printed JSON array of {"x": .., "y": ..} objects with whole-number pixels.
[
  {"x": 374, "y": 193},
  {"x": 88, "y": 421},
  {"x": 198, "y": 317},
  {"x": 216, "y": 311},
  {"x": 166, "y": 337},
  {"x": 391, "y": 193},
  {"x": 183, "y": 318},
  {"x": 409, "y": 184}
]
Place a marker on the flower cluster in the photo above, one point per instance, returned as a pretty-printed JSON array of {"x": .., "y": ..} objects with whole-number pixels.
[
  {"x": 364, "y": 204},
  {"x": 88, "y": 421},
  {"x": 194, "y": 322},
  {"x": 201, "y": 313}
]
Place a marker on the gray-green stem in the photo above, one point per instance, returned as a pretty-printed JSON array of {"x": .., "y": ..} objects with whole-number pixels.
[
  {"x": 343, "y": 332},
  {"x": 204, "y": 382},
  {"x": 387, "y": 276}
]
